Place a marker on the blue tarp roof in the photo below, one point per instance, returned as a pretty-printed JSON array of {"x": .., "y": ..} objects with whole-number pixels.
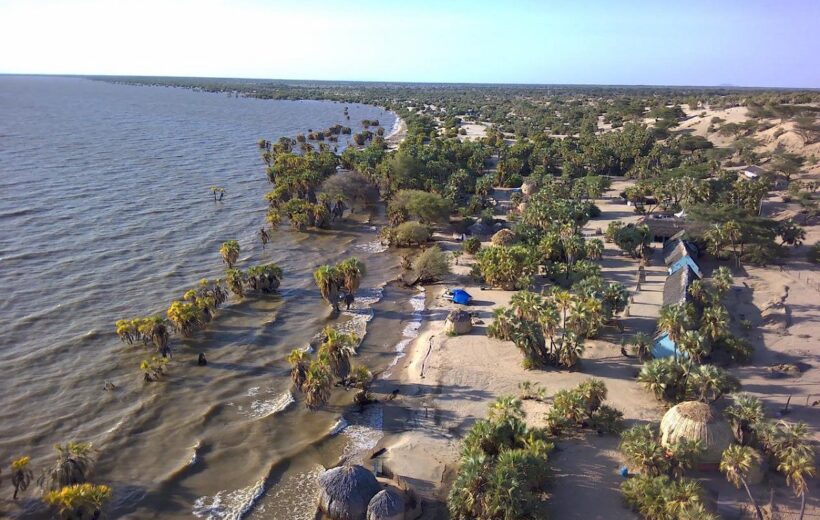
[
  {"x": 461, "y": 297},
  {"x": 684, "y": 261},
  {"x": 664, "y": 347}
]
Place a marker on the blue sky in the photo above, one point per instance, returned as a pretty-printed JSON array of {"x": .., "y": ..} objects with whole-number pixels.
[{"x": 747, "y": 43}]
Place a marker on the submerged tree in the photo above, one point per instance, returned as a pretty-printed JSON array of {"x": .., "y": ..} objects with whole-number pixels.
[
  {"x": 71, "y": 467},
  {"x": 338, "y": 347},
  {"x": 21, "y": 475},
  {"x": 230, "y": 252},
  {"x": 78, "y": 501}
]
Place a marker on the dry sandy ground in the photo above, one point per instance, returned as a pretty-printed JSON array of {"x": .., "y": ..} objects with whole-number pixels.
[
  {"x": 446, "y": 383},
  {"x": 475, "y": 131},
  {"x": 780, "y": 135}
]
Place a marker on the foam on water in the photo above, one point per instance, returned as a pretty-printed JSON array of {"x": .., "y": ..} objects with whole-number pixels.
[
  {"x": 411, "y": 330},
  {"x": 294, "y": 497},
  {"x": 363, "y": 433},
  {"x": 260, "y": 408},
  {"x": 338, "y": 426},
  {"x": 376, "y": 246},
  {"x": 229, "y": 505}
]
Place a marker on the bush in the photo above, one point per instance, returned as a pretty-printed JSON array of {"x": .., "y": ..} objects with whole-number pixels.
[
  {"x": 506, "y": 267},
  {"x": 407, "y": 234},
  {"x": 431, "y": 265},
  {"x": 424, "y": 206},
  {"x": 581, "y": 407},
  {"x": 502, "y": 469},
  {"x": 471, "y": 245},
  {"x": 661, "y": 498}
]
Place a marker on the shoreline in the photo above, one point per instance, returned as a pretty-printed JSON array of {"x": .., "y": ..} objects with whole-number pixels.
[{"x": 397, "y": 133}]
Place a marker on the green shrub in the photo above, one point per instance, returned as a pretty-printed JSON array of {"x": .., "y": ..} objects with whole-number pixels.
[{"x": 471, "y": 245}]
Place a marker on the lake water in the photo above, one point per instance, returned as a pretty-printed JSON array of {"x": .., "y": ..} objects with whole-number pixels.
[{"x": 105, "y": 213}]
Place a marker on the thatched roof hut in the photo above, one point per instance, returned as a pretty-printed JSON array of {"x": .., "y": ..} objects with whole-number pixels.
[
  {"x": 386, "y": 505},
  {"x": 459, "y": 322},
  {"x": 504, "y": 237},
  {"x": 664, "y": 227},
  {"x": 346, "y": 491},
  {"x": 676, "y": 286},
  {"x": 693, "y": 420},
  {"x": 529, "y": 188}
]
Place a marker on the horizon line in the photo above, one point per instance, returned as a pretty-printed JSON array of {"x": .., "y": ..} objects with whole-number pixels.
[{"x": 393, "y": 82}]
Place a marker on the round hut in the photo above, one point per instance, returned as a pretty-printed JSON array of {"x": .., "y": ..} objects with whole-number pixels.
[
  {"x": 459, "y": 322},
  {"x": 504, "y": 237},
  {"x": 386, "y": 505},
  {"x": 529, "y": 188},
  {"x": 693, "y": 420},
  {"x": 346, "y": 491}
]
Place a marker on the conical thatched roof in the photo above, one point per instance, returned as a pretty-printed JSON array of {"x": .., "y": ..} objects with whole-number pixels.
[
  {"x": 459, "y": 322},
  {"x": 529, "y": 187},
  {"x": 346, "y": 491},
  {"x": 504, "y": 237},
  {"x": 693, "y": 420},
  {"x": 386, "y": 505}
]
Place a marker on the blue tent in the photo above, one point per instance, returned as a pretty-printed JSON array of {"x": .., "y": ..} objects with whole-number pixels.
[{"x": 461, "y": 297}]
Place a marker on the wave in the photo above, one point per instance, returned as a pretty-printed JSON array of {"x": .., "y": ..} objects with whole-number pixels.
[
  {"x": 363, "y": 433},
  {"x": 229, "y": 505},
  {"x": 338, "y": 426},
  {"x": 410, "y": 332},
  {"x": 261, "y": 408},
  {"x": 376, "y": 246}
]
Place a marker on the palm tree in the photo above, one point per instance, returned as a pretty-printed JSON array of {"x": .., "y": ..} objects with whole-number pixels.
[
  {"x": 563, "y": 301},
  {"x": 506, "y": 409},
  {"x": 550, "y": 321},
  {"x": 735, "y": 463},
  {"x": 217, "y": 190},
  {"x": 71, "y": 467},
  {"x": 78, "y": 501},
  {"x": 153, "y": 368},
  {"x": 265, "y": 277},
  {"x": 745, "y": 413},
  {"x": 186, "y": 317},
  {"x": 318, "y": 383},
  {"x": 338, "y": 347},
  {"x": 693, "y": 345},
  {"x": 527, "y": 305},
  {"x": 327, "y": 279},
  {"x": 722, "y": 280},
  {"x": 797, "y": 467},
  {"x": 594, "y": 393},
  {"x": 673, "y": 320},
  {"x": 235, "y": 279},
  {"x": 299, "y": 362},
  {"x": 20, "y": 475},
  {"x": 663, "y": 377},
  {"x": 594, "y": 249},
  {"x": 351, "y": 272},
  {"x": 361, "y": 378},
  {"x": 699, "y": 291},
  {"x": 709, "y": 383},
  {"x": 230, "y": 252},
  {"x": 714, "y": 323},
  {"x": 642, "y": 344}
]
